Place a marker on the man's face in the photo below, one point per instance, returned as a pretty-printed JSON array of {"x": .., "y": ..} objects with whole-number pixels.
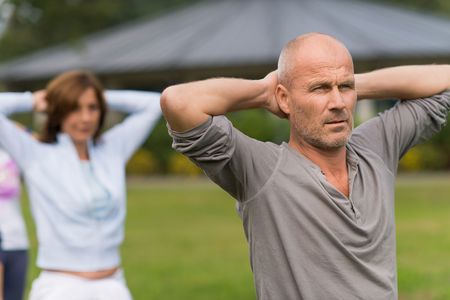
[{"x": 322, "y": 99}]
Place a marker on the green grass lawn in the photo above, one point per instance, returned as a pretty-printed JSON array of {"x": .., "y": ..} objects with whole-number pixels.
[
  {"x": 184, "y": 240},
  {"x": 423, "y": 237}
]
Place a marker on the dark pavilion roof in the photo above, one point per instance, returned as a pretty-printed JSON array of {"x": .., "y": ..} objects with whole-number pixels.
[{"x": 240, "y": 33}]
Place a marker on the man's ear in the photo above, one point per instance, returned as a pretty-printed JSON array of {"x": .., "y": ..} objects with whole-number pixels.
[{"x": 282, "y": 96}]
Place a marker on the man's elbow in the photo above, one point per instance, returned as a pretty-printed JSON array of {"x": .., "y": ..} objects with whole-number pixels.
[{"x": 172, "y": 101}]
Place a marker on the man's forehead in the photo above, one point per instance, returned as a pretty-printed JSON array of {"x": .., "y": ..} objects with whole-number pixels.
[
  {"x": 318, "y": 56},
  {"x": 323, "y": 74},
  {"x": 314, "y": 55},
  {"x": 320, "y": 48}
]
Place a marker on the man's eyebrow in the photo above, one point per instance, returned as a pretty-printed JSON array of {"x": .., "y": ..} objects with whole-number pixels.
[
  {"x": 325, "y": 82},
  {"x": 348, "y": 82}
]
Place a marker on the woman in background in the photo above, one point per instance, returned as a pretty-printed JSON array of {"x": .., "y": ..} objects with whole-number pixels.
[
  {"x": 13, "y": 236},
  {"x": 75, "y": 176}
]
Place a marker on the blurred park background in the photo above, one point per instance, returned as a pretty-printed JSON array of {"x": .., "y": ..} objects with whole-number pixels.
[{"x": 184, "y": 239}]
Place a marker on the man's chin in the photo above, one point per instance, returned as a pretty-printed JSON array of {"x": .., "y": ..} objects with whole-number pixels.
[
  {"x": 329, "y": 145},
  {"x": 335, "y": 143}
]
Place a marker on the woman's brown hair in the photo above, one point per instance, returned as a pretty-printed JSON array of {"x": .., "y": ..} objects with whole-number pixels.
[{"x": 62, "y": 94}]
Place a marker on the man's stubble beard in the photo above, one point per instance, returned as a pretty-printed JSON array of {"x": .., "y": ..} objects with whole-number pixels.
[{"x": 315, "y": 134}]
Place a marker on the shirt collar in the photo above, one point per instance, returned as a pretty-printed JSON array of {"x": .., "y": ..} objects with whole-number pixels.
[
  {"x": 352, "y": 157},
  {"x": 64, "y": 139}
]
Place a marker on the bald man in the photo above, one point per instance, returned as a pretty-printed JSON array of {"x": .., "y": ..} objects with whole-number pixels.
[{"x": 318, "y": 211}]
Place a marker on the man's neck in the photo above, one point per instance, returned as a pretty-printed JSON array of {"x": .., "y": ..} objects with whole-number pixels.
[{"x": 332, "y": 163}]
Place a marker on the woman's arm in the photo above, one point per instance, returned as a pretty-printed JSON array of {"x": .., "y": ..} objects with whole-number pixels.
[
  {"x": 144, "y": 111},
  {"x": 18, "y": 143},
  {"x": 11, "y": 103}
]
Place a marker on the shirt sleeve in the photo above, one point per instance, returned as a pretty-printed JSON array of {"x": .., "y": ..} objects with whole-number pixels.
[
  {"x": 20, "y": 145},
  {"x": 239, "y": 164},
  {"x": 144, "y": 111},
  {"x": 392, "y": 133}
]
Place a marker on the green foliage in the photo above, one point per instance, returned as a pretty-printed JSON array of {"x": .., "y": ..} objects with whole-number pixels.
[
  {"x": 411, "y": 161},
  {"x": 435, "y": 6},
  {"x": 39, "y": 24},
  {"x": 261, "y": 125},
  {"x": 433, "y": 155},
  {"x": 424, "y": 157},
  {"x": 143, "y": 162},
  {"x": 181, "y": 165},
  {"x": 160, "y": 144},
  {"x": 442, "y": 142}
]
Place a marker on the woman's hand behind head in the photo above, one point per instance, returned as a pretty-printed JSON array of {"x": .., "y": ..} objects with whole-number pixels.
[{"x": 39, "y": 101}]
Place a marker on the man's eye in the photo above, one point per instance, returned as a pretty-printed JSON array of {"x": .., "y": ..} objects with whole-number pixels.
[{"x": 346, "y": 86}]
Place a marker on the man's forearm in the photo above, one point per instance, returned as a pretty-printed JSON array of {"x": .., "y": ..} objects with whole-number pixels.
[
  {"x": 186, "y": 106},
  {"x": 404, "y": 82}
]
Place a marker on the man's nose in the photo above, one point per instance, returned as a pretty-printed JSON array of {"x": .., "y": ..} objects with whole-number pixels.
[{"x": 336, "y": 100}]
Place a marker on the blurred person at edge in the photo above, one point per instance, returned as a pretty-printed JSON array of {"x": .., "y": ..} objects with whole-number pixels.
[
  {"x": 318, "y": 212},
  {"x": 13, "y": 235},
  {"x": 75, "y": 177}
]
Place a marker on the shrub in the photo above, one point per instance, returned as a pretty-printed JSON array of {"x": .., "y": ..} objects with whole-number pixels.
[
  {"x": 181, "y": 165},
  {"x": 142, "y": 162},
  {"x": 424, "y": 157}
]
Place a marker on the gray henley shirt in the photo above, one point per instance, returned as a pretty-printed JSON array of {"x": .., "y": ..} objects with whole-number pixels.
[{"x": 307, "y": 240}]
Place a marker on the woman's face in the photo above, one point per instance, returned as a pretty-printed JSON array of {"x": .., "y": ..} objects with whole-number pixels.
[{"x": 82, "y": 123}]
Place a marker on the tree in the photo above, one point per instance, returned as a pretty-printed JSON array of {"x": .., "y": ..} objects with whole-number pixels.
[
  {"x": 435, "y": 6},
  {"x": 36, "y": 24}
]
